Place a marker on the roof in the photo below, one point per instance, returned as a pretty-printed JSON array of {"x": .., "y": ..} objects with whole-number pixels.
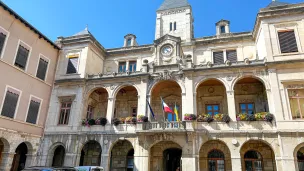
[
  {"x": 12, "y": 12},
  {"x": 276, "y": 3},
  {"x": 170, "y": 4},
  {"x": 83, "y": 32}
]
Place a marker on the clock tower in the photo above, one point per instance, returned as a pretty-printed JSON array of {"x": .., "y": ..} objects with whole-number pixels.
[{"x": 174, "y": 17}]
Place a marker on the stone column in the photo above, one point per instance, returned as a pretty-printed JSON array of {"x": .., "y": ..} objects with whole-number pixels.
[
  {"x": 142, "y": 102},
  {"x": 110, "y": 109},
  {"x": 30, "y": 158},
  {"x": 105, "y": 160},
  {"x": 189, "y": 162},
  {"x": 7, "y": 160},
  {"x": 141, "y": 158},
  {"x": 70, "y": 159},
  {"x": 187, "y": 98},
  {"x": 236, "y": 162},
  {"x": 231, "y": 105},
  {"x": 275, "y": 105}
]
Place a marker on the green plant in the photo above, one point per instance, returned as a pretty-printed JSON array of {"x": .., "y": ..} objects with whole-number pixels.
[
  {"x": 205, "y": 118},
  {"x": 269, "y": 117},
  {"x": 241, "y": 117},
  {"x": 218, "y": 117},
  {"x": 260, "y": 115},
  {"x": 190, "y": 117},
  {"x": 142, "y": 118},
  {"x": 103, "y": 121},
  {"x": 226, "y": 118},
  {"x": 250, "y": 118}
]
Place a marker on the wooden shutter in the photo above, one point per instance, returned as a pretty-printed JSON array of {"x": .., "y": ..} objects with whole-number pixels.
[
  {"x": 72, "y": 66},
  {"x": 10, "y": 104},
  {"x": 2, "y": 40},
  {"x": 231, "y": 55},
  {"x": 33, "y": 112},
  {"x": 21, "y": 57},
  {"x": 42, "y": 67},
  {"x": 287, "y": 41},
  {"x": 218, "y": 57}
]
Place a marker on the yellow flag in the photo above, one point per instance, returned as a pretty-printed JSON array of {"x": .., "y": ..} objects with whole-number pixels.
[{"x": 176, "y": 112}]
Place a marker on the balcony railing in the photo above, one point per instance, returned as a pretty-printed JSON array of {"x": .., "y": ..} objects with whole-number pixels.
[{"x": 161, "y": 126}]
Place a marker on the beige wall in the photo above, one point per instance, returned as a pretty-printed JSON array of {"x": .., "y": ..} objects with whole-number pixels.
[{"x": 25, "y": 81}]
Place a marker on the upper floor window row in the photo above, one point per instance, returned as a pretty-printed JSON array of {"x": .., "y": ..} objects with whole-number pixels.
[
  {"x": 288, "y": 42},
  {"x": 131, "y": 65},
  {"x": 219, "y": 57}
]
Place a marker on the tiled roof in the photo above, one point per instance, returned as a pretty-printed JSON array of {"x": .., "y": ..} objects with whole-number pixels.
[
  {"x": 170, "y": 4},
  {"x": 276, "y": 4}
]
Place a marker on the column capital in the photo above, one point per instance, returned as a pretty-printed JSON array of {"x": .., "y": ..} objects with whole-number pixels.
[
  {"x": 111, "y": 98},
  {"x": 231, "y": 92}
]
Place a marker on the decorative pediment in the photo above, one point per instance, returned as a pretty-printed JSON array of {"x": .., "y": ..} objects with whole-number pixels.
[{"x": 167, "y": 37}]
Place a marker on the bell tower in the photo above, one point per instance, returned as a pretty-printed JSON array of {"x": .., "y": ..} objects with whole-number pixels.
[{"x": 174, "y": 17}]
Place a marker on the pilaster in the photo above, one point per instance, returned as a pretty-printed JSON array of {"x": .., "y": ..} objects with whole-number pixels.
[
  {"x": 110, "y": 109},
  {"x": 231, "y": 105}
]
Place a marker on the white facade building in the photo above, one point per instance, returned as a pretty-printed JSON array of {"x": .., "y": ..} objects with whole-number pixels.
[{"x": 256, "y": 78}]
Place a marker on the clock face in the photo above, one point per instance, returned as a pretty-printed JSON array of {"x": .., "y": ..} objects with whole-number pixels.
[{"x": 167, "y": 50}]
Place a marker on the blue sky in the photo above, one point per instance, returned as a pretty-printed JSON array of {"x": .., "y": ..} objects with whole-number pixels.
[{"x": 110, "y": 20}]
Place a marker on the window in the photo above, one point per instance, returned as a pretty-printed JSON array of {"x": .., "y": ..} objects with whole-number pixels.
[
  {"x": 90, "y": 112},
  {"x": 132, "y": 66},
  {"x": 218, "y": 57},
  {"x": 170, "y": 26},
  {"x": 253, "y": 161},
  {"x": 42, "y": 68},
  {"x": 296, "y": 99},
  {"x": 2, "y": 41},
  {"x": 213, "y": 109},
  {"x": 231, "y": 55},
  {"x": 130, "y": 160},
  {"x": 21, "y": 58},
  {"x": 247, "y": 108},
  {"x": 134, "y": 111},
  {"x": 300, "y": 159},
  {"x": 72, "y": 65},
  {"x": 129, "y": 42},
  {"x": 10, "y": 104},
  {"x": 216, "y": 160},
  {"x": 174, "y": 26},
  {"x": 122, "y": 67},
  {"x": 223, "y": 30},
  {"x": 287, "y": 40},
  {"x": 33, "y": 111},
  {"x": 64, "y": 113}
]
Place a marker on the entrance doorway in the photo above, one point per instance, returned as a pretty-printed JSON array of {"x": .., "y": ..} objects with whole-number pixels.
[
  {"x": 19, "y": 158},
  {"x": 172, "y": 159},
  {"x": 58, "y": 158}
]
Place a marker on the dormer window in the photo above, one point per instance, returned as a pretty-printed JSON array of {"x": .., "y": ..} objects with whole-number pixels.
[
  {"x": 129, "y": 42},
  {"x": 222, "y": 27},
  {"x": 223, "y": 30}
]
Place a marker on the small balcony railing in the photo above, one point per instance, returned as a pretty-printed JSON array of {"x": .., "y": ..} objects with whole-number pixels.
[{"x": 161, "y": 126}]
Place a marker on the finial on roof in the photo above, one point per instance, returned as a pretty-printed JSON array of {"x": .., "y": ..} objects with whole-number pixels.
[{"x": 86, "y": 27}]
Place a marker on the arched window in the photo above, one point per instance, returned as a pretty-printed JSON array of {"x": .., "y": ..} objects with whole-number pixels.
[
  {"x": 130, "y": 160},
  {"x": 253, "y": 161},
  {"x": 216, "y": 160},
  {"x": 300, "y": 159}
]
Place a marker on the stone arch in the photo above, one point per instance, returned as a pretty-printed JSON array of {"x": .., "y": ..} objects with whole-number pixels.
[
  {"x": 118, "y": 154},
  {"x": 96, "y": 103},
  {"x": 90, "y": 153},
  {"x": 172, "y": 145},
  {"x": 298, "y": 155},
  {"x": 210, "y": 145},
  {"x": 264, "y": 149},
  {"x": 261, "y": 79},
  {"x": 51, "y": 152},
  {"x": 92, "y": 88},
  {"x": 202, "y": 80},
  {"x": 118, "y": 88},
  {"x": 4, "y": 148},
  {"x": 156, "y": 82},
  {"x": 23, "y": 156},
  {"x": 6, "y": 145}
]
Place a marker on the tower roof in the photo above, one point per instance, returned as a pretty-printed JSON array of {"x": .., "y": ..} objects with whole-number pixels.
[
  {"x": 276, "y": 3},
  {"x": 169, "y": 4},
  {"x": 83, "y": 32}
]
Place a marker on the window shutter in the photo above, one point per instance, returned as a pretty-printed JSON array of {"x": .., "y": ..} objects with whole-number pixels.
[
  {"x": 42, "y": 67},
  {"x": 21, "y": 57},
  {"x": 218, "y": 57},
  {"x": 232, "y": 55},
  {"x": 288, "y": 41},
  {"x": 33, "y": 112},
  {"x": 10, "y": 104},
  {"x": 72, "y": 66},
  {"x": 2, "y": 40}
]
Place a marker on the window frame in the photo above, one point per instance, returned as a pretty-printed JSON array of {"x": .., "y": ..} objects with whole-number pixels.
[
  {"x": 136, "y": 108},
  {"x": 29, "y": 48},
  {"x": 222, "y": 26},
  {"x": 287, "y": 30},
  {"x": 70, "y": 56},
  {"x": 119, "y": 62},
  {"x": 41, "y": 56},
  {"x": 253, "y": 160},
  {"x": 132, "y": 62},
  {"x": 7, "y": 33},
  {"x": 7, "y": 87},
  {"x": 216, "y": 159},
  {"x": 171, "y": 26},
  {"x": 288, "y": 26},
  {"x": 28, "y": 107},
  {"x": 298, "y": 103},
  {"x": 253, "y": 108},
  {"x": 91, "y": 112},
  {"x": 174, "y": 26},
  {"x": 217, "y": 51},
  {"x": 65, "y": 108},
  {"x": 206, "y": 108},
  {"x": 129, "y": 42}
]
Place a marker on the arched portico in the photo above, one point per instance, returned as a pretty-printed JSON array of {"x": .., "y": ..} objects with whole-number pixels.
[
  {"x": 23, "y": 156},
  {"x": 4, "y": 149},
  {"x": 90, "y": 154},
  {"x": 96, "y": 104},
  {"x": 122, "y": 156}
]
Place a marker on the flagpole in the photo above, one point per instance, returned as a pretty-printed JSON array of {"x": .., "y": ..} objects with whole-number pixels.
[{"x": 161, "y": 101}]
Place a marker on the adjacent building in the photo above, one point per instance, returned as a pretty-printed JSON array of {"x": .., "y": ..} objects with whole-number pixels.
[{"x": 28, "y": 61}]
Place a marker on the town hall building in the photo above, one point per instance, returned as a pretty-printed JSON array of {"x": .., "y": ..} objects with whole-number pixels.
[{"x": 237, "y": 99}]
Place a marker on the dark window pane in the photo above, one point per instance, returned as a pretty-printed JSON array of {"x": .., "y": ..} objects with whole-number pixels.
[
  {"x": 170, "y": 26},
  {"x": 129, "y": 42},
  {"x": 122, "y": 67},
  {"x": 174, "y": 25},
  {"x": 248, "y": 166},
  {"x": 21, "y": 58},
  {"x": 212, "y": 165},
  {"x": 2, "y": 41},
  {"x": 209, "y": 107},
  {"x": 72, "y": 66},
  {"x": 231, "y": 55},
  {"x": 250, "y": 106},
  {"x": 216, "y": 154},
  {"x": 33, "y": 112},
  {"x": 288, "y": 41},
  {"x": 42, "y": 67},
  {"x": 223, "y": 30},
  {"x": 132, "y": 66},
  {"x": 10, "y": 104},
  {"x": 218, "y": 57}
]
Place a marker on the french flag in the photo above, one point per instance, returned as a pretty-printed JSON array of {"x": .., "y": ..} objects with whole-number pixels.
[{"x": 166, "y": 108}]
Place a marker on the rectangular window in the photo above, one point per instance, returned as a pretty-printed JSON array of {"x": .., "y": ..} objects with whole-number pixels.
[
  {"x": 122, "y": 67},
  {"x": 21, "y": 58},
  {"x": 72, "y": 65},
  {"x": 247, "y": 108},
  {"x": 296, "y": 99},
  {"x": 132, "y": 66},
  {"x": 218, "y": 57},
  {"x": 10, "y": 104},
  {"x": 223, "y": 30},
  {"x": 170, "y": 26},
  {"x": 231, "y": 55},
  {"x": 287, "y": 40},
  {"x": 129, "y": 42},
  {"x": 33, "y": 112},
  {"x": 90, "y": 112},
  {"x": 65, "y": 113},
  {"x": 134, "y": 111},
  {"x": 174, "y": 26},
  {"x": 2, "y": 41},
  {"x": 213, "y": 109},
  {"x": 42, "y": 68}
]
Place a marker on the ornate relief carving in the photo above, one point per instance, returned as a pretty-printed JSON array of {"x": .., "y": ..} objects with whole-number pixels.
[
  {"x": 229, "y": 78},
  {"x": 295, "y": 86},
  {"x": 163, "y": 136},
  {"x": 112, "y": 87},
  {"x": 173, "y": 12}
]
